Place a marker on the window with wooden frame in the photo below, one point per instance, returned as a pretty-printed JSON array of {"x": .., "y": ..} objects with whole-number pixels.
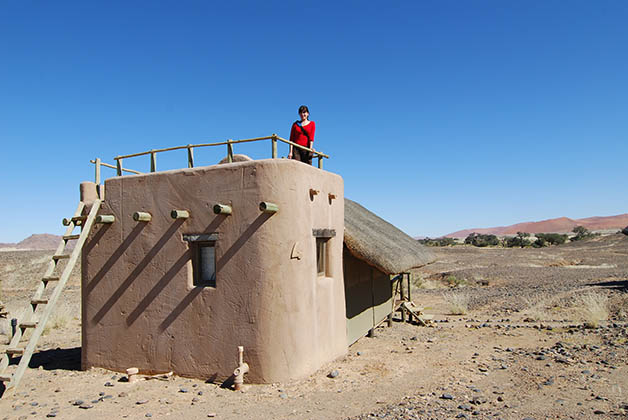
[
  {"x": 323, "y": 237},
  {"x": 203, "y": 248}
]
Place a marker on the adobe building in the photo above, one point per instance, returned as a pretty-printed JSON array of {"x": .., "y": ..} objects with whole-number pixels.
[{"x": 264, "y": 254}]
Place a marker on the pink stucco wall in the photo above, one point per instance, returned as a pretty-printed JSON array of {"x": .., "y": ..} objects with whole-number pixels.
[{"x": 140, "y": 308}]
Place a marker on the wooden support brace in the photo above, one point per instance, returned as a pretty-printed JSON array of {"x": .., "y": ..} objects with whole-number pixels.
[
  {"x": 229, "y": 151},
  {"x": 6, "y": 378},
  {"x": 105, "y": 218},
  {"x": 28, "y": 324},
  {"x": 39, "y": 301},
  {"x": 141, "y": 216},
  {"x": 50, "y": 278},
  {"x": 222, "y": 209},
  {"x": 268, "y": 207},
  {"x": 15, "y": 351},
  {"x": 60, "y": 257},
  {"x": 70, "y": 237},
  {"x": 179, "y": 214}
]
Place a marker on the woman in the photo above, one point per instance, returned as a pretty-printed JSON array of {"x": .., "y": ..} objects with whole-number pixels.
[{"x": 302, "y": 133}]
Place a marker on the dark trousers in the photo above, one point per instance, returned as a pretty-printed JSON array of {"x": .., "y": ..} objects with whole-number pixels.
[{"x": 302, "y": 155}]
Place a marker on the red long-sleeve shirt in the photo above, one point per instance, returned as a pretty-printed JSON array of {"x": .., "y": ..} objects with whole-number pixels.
[{"x": 297, "y": 136}]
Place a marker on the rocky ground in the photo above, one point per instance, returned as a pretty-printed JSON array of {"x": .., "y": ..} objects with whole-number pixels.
[{"x": 528, "y": 342}]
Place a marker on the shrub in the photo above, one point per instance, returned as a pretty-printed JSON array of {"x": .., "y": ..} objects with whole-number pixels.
[
  {"x": 481, "y": 240},
  {"x": 454, "y": 281},
  {"x": 458, "y": 304},
  {"x": 438, "y": 241},
  {"x": 552, "y": 238},
  {"x": 520, "y": 240},
  {"x": 594, "y": 309},
  {"x": 580, "y": 233}
]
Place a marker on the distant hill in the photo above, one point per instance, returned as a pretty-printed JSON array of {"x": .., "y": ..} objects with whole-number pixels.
[
  {"x": 42, "y": 241},
  {"x": 559, "y": 225}
]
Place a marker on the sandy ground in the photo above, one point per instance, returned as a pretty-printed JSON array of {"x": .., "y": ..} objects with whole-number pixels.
[{"x": 520, "y": 351}]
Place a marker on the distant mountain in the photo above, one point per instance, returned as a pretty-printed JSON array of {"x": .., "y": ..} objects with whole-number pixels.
[
  {"x": 42, "y": 241},
  {"x": 559, "y": 225}
]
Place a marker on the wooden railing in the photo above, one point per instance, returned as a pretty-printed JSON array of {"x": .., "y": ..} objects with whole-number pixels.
[{"x": 120, "y": 170}]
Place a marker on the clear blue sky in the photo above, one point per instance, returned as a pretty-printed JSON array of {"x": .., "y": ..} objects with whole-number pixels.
[{"x": 440, "y": 115}]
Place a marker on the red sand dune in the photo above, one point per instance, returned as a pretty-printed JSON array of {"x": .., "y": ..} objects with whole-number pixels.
[{"x": 561, "y": 224}]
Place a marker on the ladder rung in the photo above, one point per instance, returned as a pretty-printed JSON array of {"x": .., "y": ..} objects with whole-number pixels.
[
  {"x": 28, "y": 324},
  {"x": 15, "y": 350},
  {"x": 6, "y": 378},
  {"x": 50, "y": 278},
  {"x": 60, "y": 256},
  {"x": 70, "y": 237},
  {"x": 39, "y": 301}
]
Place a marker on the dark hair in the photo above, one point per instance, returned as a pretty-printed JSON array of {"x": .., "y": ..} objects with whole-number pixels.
[{"x": 303, "y": 108}]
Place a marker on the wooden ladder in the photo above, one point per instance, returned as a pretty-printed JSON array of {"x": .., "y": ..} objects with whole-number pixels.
[{"x": 36, "y": 319}]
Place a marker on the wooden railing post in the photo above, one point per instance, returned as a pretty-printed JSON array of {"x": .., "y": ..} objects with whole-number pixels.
[
  {"x": 97, "y": 172},
  {"x": 153, "y": 161},
  {"x": 320, "y": 162},
  {"x": 274, "y": 141},
  {"x": 119, "y": 167},
  {"x": 190, "y": 156},
  {"x": 229, "y": 151}
]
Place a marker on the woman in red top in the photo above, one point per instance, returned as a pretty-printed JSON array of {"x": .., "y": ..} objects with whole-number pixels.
[{"x": 302, "y": 133}]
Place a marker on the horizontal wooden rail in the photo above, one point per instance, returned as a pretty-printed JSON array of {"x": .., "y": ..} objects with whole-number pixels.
[{"x": 190, "y": 155}]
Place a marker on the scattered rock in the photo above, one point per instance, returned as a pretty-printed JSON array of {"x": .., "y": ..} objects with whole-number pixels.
[
  {"x": 447, "y": 397},
  {"x": 333, "y": 374}
]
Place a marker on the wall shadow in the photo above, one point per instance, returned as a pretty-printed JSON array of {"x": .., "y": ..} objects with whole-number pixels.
[
  {"x": 179, "y": 308},
  {"x": 54, "y": 359},
  {"x": 114, "y": 257},
  {"x": 246, "y": 235},
  {"x": 158, "y": 287},
  {"x": 621, "y": 285},
  {"x": 137, "y": 270}
]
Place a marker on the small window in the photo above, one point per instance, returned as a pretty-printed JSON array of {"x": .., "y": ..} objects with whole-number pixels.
[
  {"x": 203, "y": 249},
  {"x": 205, "y": 274},
  {"x": 322, "y": 250},
  {"x": 321, "y": 256}
]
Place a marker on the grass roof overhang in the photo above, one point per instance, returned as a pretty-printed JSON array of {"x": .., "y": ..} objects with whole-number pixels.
[{"x": 380, "y": 244}]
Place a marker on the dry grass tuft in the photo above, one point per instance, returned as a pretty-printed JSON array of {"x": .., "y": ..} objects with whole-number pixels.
[
  {"x": 458, "y": 303},
  {"x": 537, "y": 307},
  {"x": 594, "y": 307}
]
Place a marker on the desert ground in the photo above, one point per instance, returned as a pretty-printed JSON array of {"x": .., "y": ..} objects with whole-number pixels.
[{"x": 517, "y": 334}]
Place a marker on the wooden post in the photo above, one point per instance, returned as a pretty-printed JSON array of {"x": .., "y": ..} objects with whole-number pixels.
[
  {"x": 320, "y": 162},
  {"x": 179, "y": 214},
  {"x": 229, "y": 151},
  {"x": 268, "y": 207},
  {"x": 119, "y": 167},
  {"x": 222, "y": 209},
  {"x": 153, "y": 161},
  {"x": 141, "y": 216},
  {"x": 409, "y": 288},
  {"x": 97, "y": 172},
  {"x": 390, "y": 319},
  {"x": 190, "y": 156},
  {"x": 274, "y": 141}
]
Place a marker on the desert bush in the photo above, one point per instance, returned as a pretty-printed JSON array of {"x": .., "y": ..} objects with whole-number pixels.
[
  {"x": 594, "y": 307},
  {"x": 421, "y": 283},
  {"x": 481, "y": 240},
  {"x": 454, "y": 281},
  {"x": 552, "y": 238},
  {"x": 536, "y": 308},
  {"x": 438, "y": 241},
  {"x": 581, "y": 233},
  {"x": 519, "y": 241},
  {"x": 458, "y": 303}
]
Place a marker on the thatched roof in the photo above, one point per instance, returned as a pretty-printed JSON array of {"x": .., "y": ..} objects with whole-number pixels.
[{"x": 380, "y": 244}]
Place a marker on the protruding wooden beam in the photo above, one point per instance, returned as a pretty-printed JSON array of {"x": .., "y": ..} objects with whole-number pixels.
[
  {"x": 222, "y": 209},
  {"x": 28, "y": 324},
  {"x": 153, "y": 161},
  {"x": 268, "y": 207},
  {"x": 105, "y": 218},
  {"x": 179, "y": 214},
  {"x": 14, "y": 351},
  {"x": 142, "y": 216},
  {"x": 39, "y": 301}
]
